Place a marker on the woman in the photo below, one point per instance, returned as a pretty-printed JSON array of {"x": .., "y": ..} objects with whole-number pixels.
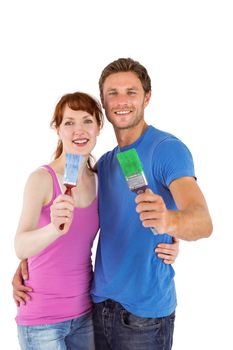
[{"x": 59, "y": 313}]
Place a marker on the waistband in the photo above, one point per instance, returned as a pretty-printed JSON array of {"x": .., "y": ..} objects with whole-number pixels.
[{"x": 110, "y": 303}]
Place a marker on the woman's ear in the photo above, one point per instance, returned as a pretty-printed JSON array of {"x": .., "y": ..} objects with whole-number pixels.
[
  {"x": 58, "y": 133},
  {"x": 99, "y": 130}
]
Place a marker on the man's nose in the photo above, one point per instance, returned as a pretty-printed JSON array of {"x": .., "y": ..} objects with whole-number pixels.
[{"x": 122, "y": 100}]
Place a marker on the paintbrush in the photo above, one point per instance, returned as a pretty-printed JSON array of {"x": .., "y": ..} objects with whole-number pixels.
[
  {"x": 132, "y": 168},
  {"x": 73, "y": 162}
]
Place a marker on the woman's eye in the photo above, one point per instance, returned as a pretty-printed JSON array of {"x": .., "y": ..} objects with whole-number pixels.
[
  {"x": 88, "y": 121},
  {"x": 68, "y": 123}
]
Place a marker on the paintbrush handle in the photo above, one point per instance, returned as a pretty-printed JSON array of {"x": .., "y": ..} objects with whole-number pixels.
[
  {"x": 142, "y": 190},
  {"x": 68, "y": 189},
  {"x": 154, "y": 231},
  {"x": 68, "y": 192}
]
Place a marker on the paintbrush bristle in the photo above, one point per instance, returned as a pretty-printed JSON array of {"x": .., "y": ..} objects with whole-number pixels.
[
  {"x": 130, "y": 162},
  {"x": 132, "y": 168},
  {"x": 73, "y": 162}
]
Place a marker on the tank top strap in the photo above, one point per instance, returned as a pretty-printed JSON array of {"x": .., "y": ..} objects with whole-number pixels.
[
  {"x": 96, "y": 184},
  {"x": 56, "y": 186}
]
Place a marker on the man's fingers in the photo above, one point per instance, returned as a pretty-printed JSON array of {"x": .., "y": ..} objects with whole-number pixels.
[
  {"x": 23, "y": 288},
  {"x": 24, "y": 269},
  {"x": 16, "y": 302},
  {"x": 19, "y": 301},
  {"x": 149, "y": 207},
  {"x": 175, "y": 240},
  {"x": 20, "y": 297},
  {"x": 149, "y": 197},
  {"x": 21, "y": 294}
]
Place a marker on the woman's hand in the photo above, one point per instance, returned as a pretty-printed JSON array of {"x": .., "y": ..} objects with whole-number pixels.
[
  {"x": 61, "y": 212},
  {"x": 168, "y": 252}
]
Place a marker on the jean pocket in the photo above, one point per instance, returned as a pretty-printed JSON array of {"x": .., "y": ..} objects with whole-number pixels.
[
  {"x": 96, "y": 311},
  {"x": 132, "y": 321},
  {"x": 172, "y": 321}
]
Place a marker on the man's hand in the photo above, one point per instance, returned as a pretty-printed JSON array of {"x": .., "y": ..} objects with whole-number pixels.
[
  {"x": 19, "y": 289},
  {"x": 168, "y": 252},
  {"x": 152, "y": 211}
]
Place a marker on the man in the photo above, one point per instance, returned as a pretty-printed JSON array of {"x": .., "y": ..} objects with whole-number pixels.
[{"x": 133, "y": 290}]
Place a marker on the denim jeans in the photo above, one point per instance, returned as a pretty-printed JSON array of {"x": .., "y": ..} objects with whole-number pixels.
[
  {"x": 117, "y": 329},
  {"x": 75, "y": 334}
]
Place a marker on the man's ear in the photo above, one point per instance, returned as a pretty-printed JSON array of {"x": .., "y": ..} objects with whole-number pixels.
[
  {"x": 147, "y": 98},
  {"x": 102, "y": 101}
]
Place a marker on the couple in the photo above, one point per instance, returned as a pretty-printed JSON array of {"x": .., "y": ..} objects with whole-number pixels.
[{"x": 133, "y": 299}]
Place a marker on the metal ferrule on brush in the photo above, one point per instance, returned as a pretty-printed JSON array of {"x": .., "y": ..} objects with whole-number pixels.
[{"x": 137, "y": 182}]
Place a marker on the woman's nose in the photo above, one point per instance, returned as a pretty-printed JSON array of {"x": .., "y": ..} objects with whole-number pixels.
[{"x": 78, "y": 129}]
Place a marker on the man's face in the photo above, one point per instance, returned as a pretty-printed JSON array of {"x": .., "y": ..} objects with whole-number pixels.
[{"x": 124, "y": 100}]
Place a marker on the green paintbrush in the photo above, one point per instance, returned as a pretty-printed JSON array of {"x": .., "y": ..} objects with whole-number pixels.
[{"x": 132, "y": 168}]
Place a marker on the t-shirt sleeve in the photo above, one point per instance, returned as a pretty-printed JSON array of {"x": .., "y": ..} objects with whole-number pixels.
[{"x": 172, "y": 160}]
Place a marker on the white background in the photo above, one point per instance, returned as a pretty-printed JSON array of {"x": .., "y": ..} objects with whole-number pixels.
[{"x": 49, "y": 48}]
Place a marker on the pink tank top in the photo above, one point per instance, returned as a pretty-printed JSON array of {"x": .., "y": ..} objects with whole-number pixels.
[{"x": 61, "y": 274}]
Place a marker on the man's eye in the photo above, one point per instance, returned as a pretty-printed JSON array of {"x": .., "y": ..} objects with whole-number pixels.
[
  {"x": 132, "y": 92},
  {"x": 111, "y": 93}
]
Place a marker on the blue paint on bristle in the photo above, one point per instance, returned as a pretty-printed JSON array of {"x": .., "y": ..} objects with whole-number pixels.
[{"x": 73, "y": 162}]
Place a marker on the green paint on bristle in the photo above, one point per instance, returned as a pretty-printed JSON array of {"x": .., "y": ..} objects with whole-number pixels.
[{"x": 130, "y": 162}]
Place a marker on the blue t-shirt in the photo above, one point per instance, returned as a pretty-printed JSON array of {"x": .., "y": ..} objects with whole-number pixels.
[{"x": 127, "y": 269}]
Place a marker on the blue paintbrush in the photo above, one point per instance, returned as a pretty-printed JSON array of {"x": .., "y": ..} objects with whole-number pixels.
[{"x": 73, "y": 162}]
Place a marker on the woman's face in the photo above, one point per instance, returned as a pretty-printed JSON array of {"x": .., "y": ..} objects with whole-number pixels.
[{"x": 78, "y": 131}]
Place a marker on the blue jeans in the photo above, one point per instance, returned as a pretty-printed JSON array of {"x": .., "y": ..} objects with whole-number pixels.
[
  {"x": 75, "y": 334},
  {"x": 117, "y": 329}
]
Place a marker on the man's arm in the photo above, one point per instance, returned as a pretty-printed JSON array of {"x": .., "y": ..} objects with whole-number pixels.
[
  {"x": 19, "y": 289},
  {"x": 191, "y": 221},
  {"x": 167, "y": 252}
]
